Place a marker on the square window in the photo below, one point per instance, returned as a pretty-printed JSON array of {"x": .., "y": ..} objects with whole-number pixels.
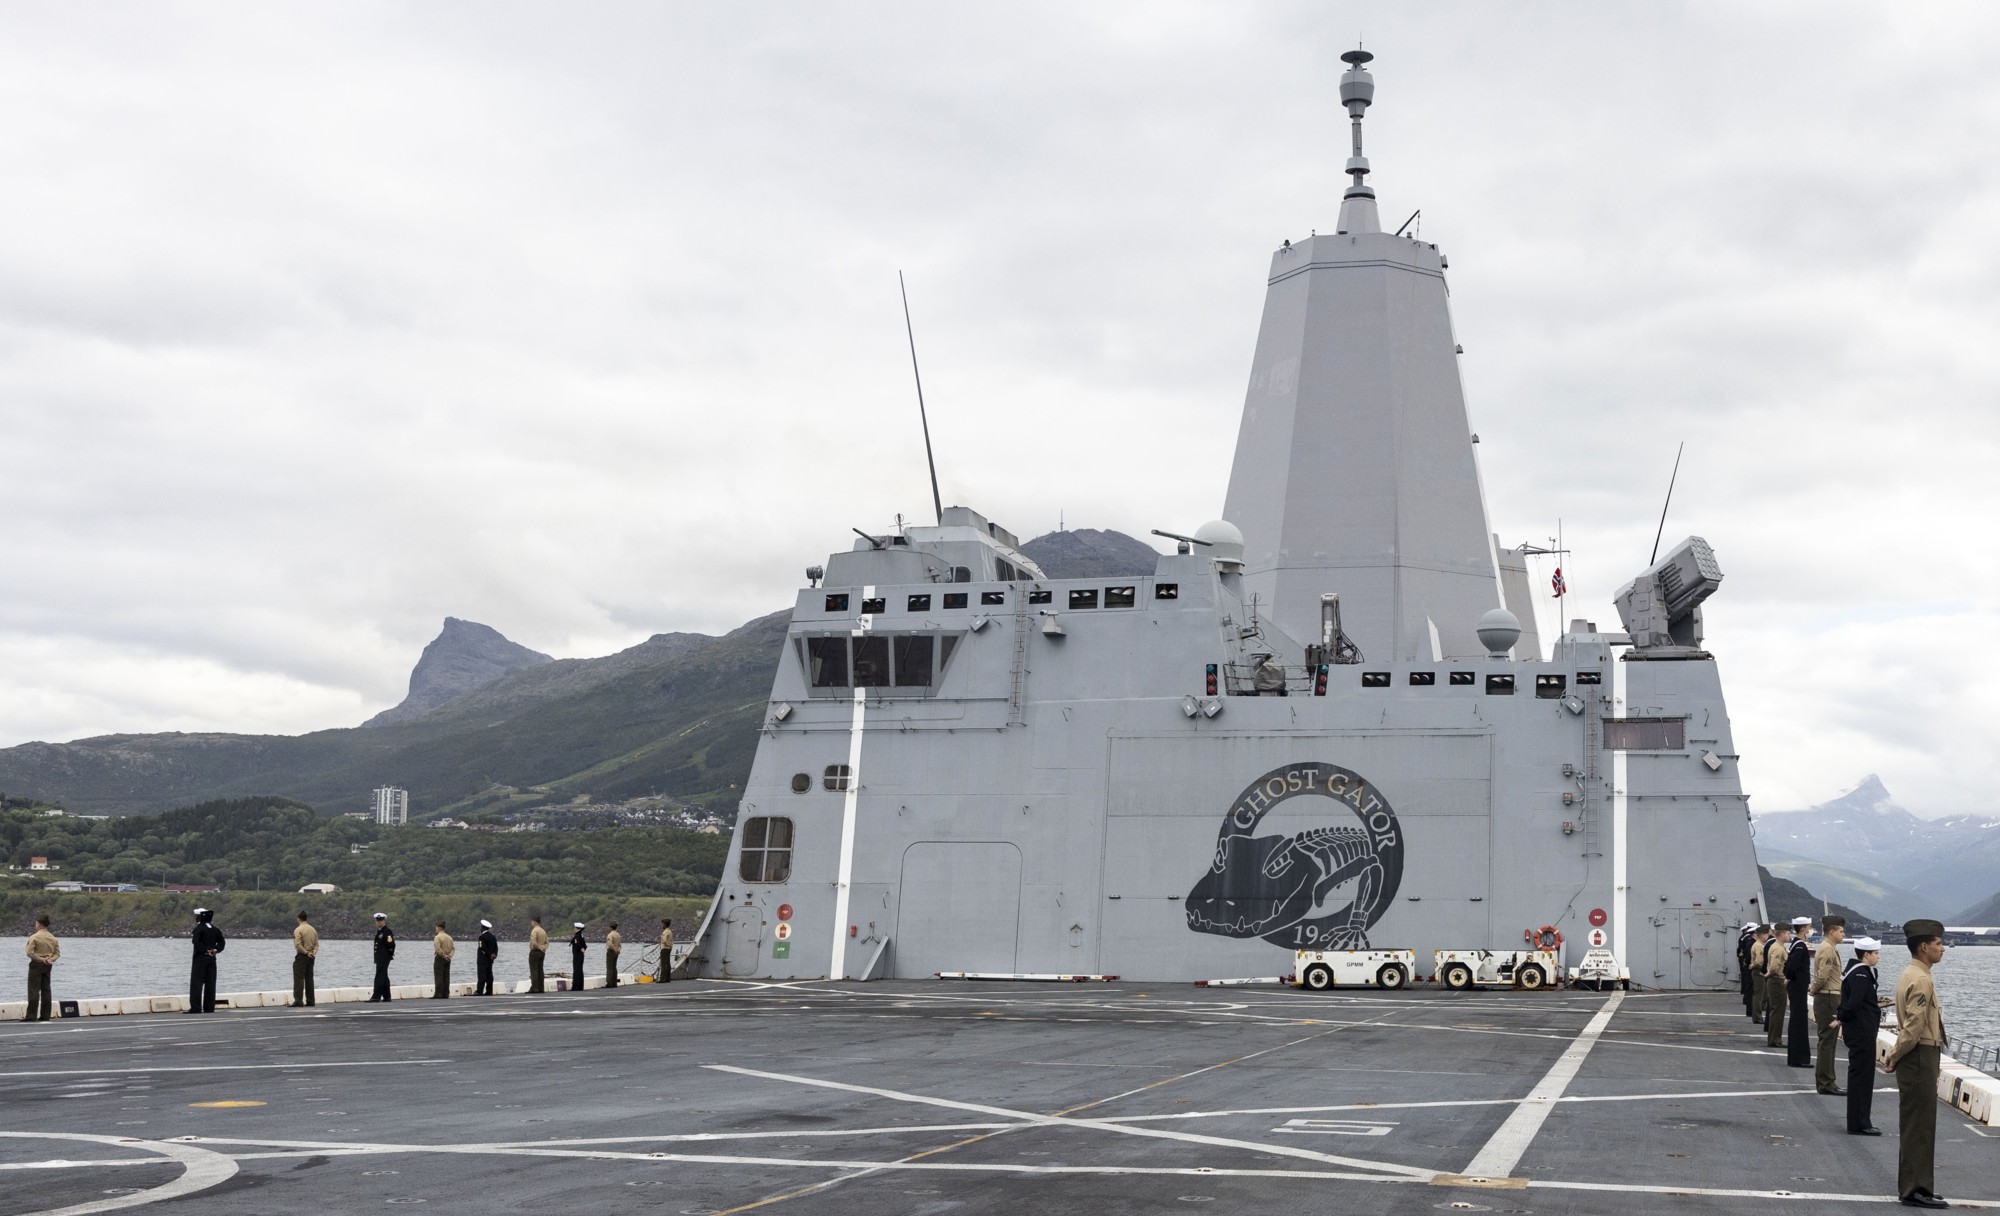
[
  {"x": 1166, "y": 591},
  {"x": 838, "y": 777},
  {"x": 1462, "y": 677},
  {"x": 871, "y": 607},
  {"x": 1374, "y": 679},
  {"x": 1083, "y": 599},
  {"x": 837, "y": 603},
  {"x": 920, "y": 603},
  {"x": 1549, "y": 687},
  {"x": 871, "y": 662},
  {"x": 770, "y": 858},
  {"x": 992, "y": 597},
  {"x": 954, "y": 599},
  {"x": 1498, "y": 685},
  {"x": 1041, "y": 597},
  {"x": 1423, "y": 679},
  {"x": 1589, "y": 677},
  {"x": 913, "y": 660},
  {"x": 826, "y": 662},
  {"x": 1120, "y": 597}
]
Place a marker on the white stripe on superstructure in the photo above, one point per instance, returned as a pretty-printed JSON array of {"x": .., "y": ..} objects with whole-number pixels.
[
  {"x": 1503, "y": 1152},
  {"x": 849, "y": 805},
  {"x": 1620, "y": 856}
]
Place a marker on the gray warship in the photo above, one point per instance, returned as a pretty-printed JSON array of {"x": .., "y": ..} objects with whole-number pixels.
[{"x": 1326, "y": 722}]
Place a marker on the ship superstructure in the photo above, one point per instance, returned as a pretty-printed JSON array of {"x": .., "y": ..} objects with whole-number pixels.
[{"x": 1325, "y": 722}]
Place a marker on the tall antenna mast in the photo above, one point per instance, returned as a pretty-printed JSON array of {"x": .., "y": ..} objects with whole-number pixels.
[
  {"x": 1670, "y": 502},
  {"x": 937, "y": 500}
]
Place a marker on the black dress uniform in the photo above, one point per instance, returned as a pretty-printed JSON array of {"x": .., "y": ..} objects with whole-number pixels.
[
  {"x": 1743, "y": 940},
  {"x": 208, "y": 942},
  {"x": 1860, "y": 1019},
  {"x": 1798, "y": 1027},
  {"x": 577, "y": 945},
  {"x": 385, "y": 949},
  {"x": 489, "y": 949}
]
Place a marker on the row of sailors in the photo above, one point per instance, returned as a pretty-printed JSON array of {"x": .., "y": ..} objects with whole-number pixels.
[
  {"x": 1780, "y": 971},
  {"x": 209, "y": 942}
]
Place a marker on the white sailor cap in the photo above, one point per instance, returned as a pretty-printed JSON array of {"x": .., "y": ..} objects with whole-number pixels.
[
  {"x": 576, "y": 924},
  {"x": 199, "y": 911},
  {"x": 486, "y": 924},
  {"x": 1863, "y": 945},
  {"x": 381, "y": 916},
  {"x": 1749, "y": 926},
  {"x": 1802, "y": 922}
]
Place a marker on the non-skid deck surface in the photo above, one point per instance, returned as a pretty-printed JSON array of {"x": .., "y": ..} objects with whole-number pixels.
[{"x": 715, "y": 1097}]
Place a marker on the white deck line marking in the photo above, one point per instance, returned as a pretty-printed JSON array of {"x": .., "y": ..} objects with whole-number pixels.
[
  {"x": 1503, "y": 1152},
  {"x": 1070, "y": 1121},
  {"x": 1449, "y": 1102},
  {"x": 64, "y": 1163},
  {"x": 200, "y": 1169},
  {"x": 123, "y": 1071},
  {"x": 849, "y": 806}
]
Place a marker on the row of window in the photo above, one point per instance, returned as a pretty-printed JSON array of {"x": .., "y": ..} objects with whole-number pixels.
[
  {"x": 1079, "y": 598},
  {"x": 1549, "y": 687},
  {"x": 876, "y": 660}
]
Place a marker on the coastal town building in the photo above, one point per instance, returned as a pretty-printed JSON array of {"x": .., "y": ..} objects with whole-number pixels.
[{"x": 392, "y": 807}]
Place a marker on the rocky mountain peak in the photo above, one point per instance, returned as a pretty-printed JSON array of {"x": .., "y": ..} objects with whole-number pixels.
[
  {"x": 464, "y": 656},
  {"x": 1091, "y": 553}
]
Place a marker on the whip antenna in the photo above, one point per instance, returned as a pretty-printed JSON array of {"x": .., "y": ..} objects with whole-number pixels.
[
  {"x": 1663, "y": 506},
  {"x": 936, "y": 500}
]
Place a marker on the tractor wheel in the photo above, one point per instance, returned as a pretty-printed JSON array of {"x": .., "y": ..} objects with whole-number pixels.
[
  {"x": 1457, "y": 977},
  {"x": 1319, "y": 977}
]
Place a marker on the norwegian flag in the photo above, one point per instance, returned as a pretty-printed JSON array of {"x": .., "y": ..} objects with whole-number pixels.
[{"x": 1561, "y": 587}]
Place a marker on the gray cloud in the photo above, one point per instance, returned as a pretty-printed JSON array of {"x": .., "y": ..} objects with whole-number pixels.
[{"x": 319, "y": 325}]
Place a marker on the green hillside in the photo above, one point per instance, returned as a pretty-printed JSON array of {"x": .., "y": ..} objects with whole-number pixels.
[
  {"x": 677, "y": 717},
  {"x": 1784, "y": 899}
]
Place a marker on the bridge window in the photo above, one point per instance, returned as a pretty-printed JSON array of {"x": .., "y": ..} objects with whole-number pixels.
[
  {"x": 913, "y": 661},
  {"x": 920, "y": 603},
  {"x": 1120, "y": 597},
  {"x": 871, "y": 662},
  {"x": 1499, "y": 685},
  {"x": 1461, "y": 677},
  {"x": 992, "y": 597},
  {"x": 1006, "y": 568},
  {"x": 1083, "y": 598},
  {"x": 1423, "y": 679},
  {"x": 874, "y": 606},
  {"x": 1041, "y": 597},
  {"x": 1590, "y": 677},
  {"x": 1374, "y": 679},
  {"x": 954, "y": 599},
  {"x": 1166, "y": 591},
  {"x": 1549, "y": 687},
  {"x": 836, "y": 603},
  {"x": 826, "y": 662},
  {"x": 767, "y": 848}
]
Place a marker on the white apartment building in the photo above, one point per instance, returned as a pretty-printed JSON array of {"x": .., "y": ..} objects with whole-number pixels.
[{"x": 392, "y": 806}]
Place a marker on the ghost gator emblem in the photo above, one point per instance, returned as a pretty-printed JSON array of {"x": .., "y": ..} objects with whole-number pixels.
[{"x": 1274, "y": 886}]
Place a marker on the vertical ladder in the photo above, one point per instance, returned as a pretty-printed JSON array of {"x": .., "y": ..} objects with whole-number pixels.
[{"x": 1014, "y": 715}]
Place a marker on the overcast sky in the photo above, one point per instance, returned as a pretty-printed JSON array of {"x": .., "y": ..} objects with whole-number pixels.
[{"x": 321, "y": 323}]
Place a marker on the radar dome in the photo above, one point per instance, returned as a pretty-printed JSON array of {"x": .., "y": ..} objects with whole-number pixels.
[
  {"x": 1498, "y": 631},
  {"x": 1225, "y": 543}
]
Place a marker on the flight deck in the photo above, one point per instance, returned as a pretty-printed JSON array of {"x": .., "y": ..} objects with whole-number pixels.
[{"x": 718, "y": 1097}]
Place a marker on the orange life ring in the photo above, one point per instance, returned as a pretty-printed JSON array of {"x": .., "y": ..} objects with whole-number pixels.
[{"x": 1548, "y": 937}]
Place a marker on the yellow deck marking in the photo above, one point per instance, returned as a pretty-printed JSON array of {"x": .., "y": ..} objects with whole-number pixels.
[{"x": 224, "y": 1105}]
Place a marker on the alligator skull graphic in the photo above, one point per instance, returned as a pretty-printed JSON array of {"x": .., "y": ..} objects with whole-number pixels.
[{"x": 1268, "y": 886}]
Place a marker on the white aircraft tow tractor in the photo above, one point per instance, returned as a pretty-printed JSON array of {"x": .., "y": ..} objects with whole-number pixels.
[{"x": 1323, "y": 969}]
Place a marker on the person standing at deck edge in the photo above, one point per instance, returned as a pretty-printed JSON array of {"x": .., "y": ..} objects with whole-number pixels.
[
  {"x": 441, "y": 965},
  {"x": 385, "y": 949},
  {"x": 42, "y": 955},
  {"x": 1798, "y": 977},
  {"x": 614, "y": 945},
  {"x": 208, "y": 943},
  {"x": 1920, "y": 1041},
  {"x": 305, "y": 949},
  {"x": 1760, "y": 946},
  {"x": 1774, "y": 986},
  {"x": 538, "y": 952},
  {"x": 489, "y": 949},
  {"x": 1825, "y": 992},
  {"x": 1860, "y": 1019},
  {"x": 666, "y": 950},
  {"x": 1744, "y": 940},
  {"x": 577, "y": 945}
]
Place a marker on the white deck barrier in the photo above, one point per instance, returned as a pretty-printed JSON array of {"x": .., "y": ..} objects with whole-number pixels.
[
  {"x": 1967, "y": 1090},
  {"x": 98, "y": 1007}
]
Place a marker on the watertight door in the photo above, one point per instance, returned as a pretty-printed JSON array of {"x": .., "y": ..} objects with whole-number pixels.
[{"x": 743, "y": 941}]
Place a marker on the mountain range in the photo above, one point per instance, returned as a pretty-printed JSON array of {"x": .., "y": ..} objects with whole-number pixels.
[
  {"x": 1863, "y": 849},
  {"x": 489, "y": 724}
]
